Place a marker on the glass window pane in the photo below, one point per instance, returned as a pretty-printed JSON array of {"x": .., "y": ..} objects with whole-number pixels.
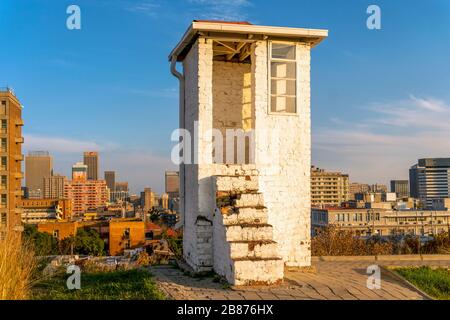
[
  {"x": 283, "y": 87},
  {"x": 282, "y": 69},
  {"x": 283, "y": 51},
  {"x": 282, "y": 104}
]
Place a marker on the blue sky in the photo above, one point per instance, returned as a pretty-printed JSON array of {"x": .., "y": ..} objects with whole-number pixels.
[{"x": 380, "y": 98}]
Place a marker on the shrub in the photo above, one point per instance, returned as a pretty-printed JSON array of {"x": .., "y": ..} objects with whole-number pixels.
[
  {"x": 175, "y": 243},
  {"x": 440, "y": 244},
  {"x": 17, "y": 267},
  {"x": 335, "y": 242}
]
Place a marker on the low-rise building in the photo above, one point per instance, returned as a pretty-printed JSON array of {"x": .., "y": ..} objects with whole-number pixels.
[
  {"x": 380, "y": 221},
  {"x": 59, "y": 229},
  {"x": 119, "y": 234},
  {"x": 125, "y": 234},
  {"x": 44, "y": 210}
]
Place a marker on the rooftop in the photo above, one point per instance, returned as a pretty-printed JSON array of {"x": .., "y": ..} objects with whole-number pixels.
[
  {"x": 9, "y": 92},
  {"x": 243, "y": 31}
]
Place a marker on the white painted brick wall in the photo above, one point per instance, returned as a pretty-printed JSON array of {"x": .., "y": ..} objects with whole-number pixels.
[
  {"x": 285, "y": 182},
  {"x": 283, "y": 164}
]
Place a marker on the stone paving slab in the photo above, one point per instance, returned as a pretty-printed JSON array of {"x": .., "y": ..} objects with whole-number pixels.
[{"x": 333, "y": 280}]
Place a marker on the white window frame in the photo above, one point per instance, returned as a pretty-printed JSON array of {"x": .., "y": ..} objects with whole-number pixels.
[{"x": 269, "y": 78}]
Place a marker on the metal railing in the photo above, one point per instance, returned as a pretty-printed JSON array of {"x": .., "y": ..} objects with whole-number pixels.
[{"x": 6, "y": 89}]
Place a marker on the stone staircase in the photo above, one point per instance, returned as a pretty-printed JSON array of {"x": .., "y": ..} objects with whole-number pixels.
[{"x": 244, "y": 250}]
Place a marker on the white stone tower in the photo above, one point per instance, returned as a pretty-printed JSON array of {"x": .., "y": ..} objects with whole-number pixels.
[{"x": 245, "y": 183}]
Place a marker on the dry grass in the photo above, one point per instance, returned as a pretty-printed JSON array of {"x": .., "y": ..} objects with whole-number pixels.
[{"x": 18, "y": 266}]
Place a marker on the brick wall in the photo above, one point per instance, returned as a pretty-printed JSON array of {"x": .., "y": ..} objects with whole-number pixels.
[{"x": 284, "y": 160}]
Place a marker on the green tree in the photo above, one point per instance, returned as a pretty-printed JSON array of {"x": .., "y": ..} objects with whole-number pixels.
[
  {"x": 43, "y": 243},
  {"x": 86, "y": 242}
]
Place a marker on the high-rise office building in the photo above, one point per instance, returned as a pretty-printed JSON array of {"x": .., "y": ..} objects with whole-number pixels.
[
  {"x": 165, "y": 201},
  {"x": 400, "y": 187},
  {"x": 172, "y": 182},
  {"x": 110, "y": 178},
  {"x": 38, "y": 165},
  {"x": 54, "y": 187},
  {"x": 79, "y": 171},
  {"x": 121, "y": 192},
  {"x": 430, "y": 179},
  {"x": 328, "y": 188},
  {"x": 122, "y": 186},
  {"x": 414, "y": 181},
  {"x": 90, "y": 159},
  {"x": 10, "y": 162},
  {"x": 147, "y": 199}
]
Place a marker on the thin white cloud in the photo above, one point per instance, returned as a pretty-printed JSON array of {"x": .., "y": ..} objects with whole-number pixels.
[
  {"x": 387, "y": 142},
  {"x": 61, "y": 144},
  {"x": 229, "y": 10},
  {"x": 147, "y": 7},
  {"x": 140, "y": 167},
  {"x": 162, "y": 93},
  {"x": 421, "y": 113}
]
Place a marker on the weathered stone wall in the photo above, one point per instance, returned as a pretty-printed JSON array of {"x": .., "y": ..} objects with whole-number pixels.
[{"x": 284, "y": 160}]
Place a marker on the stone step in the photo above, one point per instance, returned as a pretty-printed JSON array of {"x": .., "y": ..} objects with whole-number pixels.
[
  {"x": 240, "y": 184},
  {"x": 253, "y": 249},
  {"x": 258, "y": 271},
  {"x": 248, "y": 200},
  {"x": 244, "y": 215},
  {"x": 248, "y": 232}
]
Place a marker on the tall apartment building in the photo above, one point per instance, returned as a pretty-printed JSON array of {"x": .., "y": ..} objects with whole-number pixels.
[
  {"x": 54, "y": 187},
  {"x": 79, "y": 171},
  {"x": 90, "y": 159},
  {"x": 10, "y": 162},
  {"x": 38, "y": 165},
  {"x": 400, "y": 188},
  {"x": 430, "y": 179},
  {"x": 110, "y": 178},
  {"x": 328, "y": 188},
  {"x": 172, "y": 183},
  {"x": 86, "y": 194}
]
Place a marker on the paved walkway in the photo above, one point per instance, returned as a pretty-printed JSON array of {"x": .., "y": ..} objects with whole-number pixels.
[{"x": 332, "y": 280}]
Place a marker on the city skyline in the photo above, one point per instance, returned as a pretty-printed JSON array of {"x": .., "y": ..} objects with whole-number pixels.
[{"x": 373, "y": 123}]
